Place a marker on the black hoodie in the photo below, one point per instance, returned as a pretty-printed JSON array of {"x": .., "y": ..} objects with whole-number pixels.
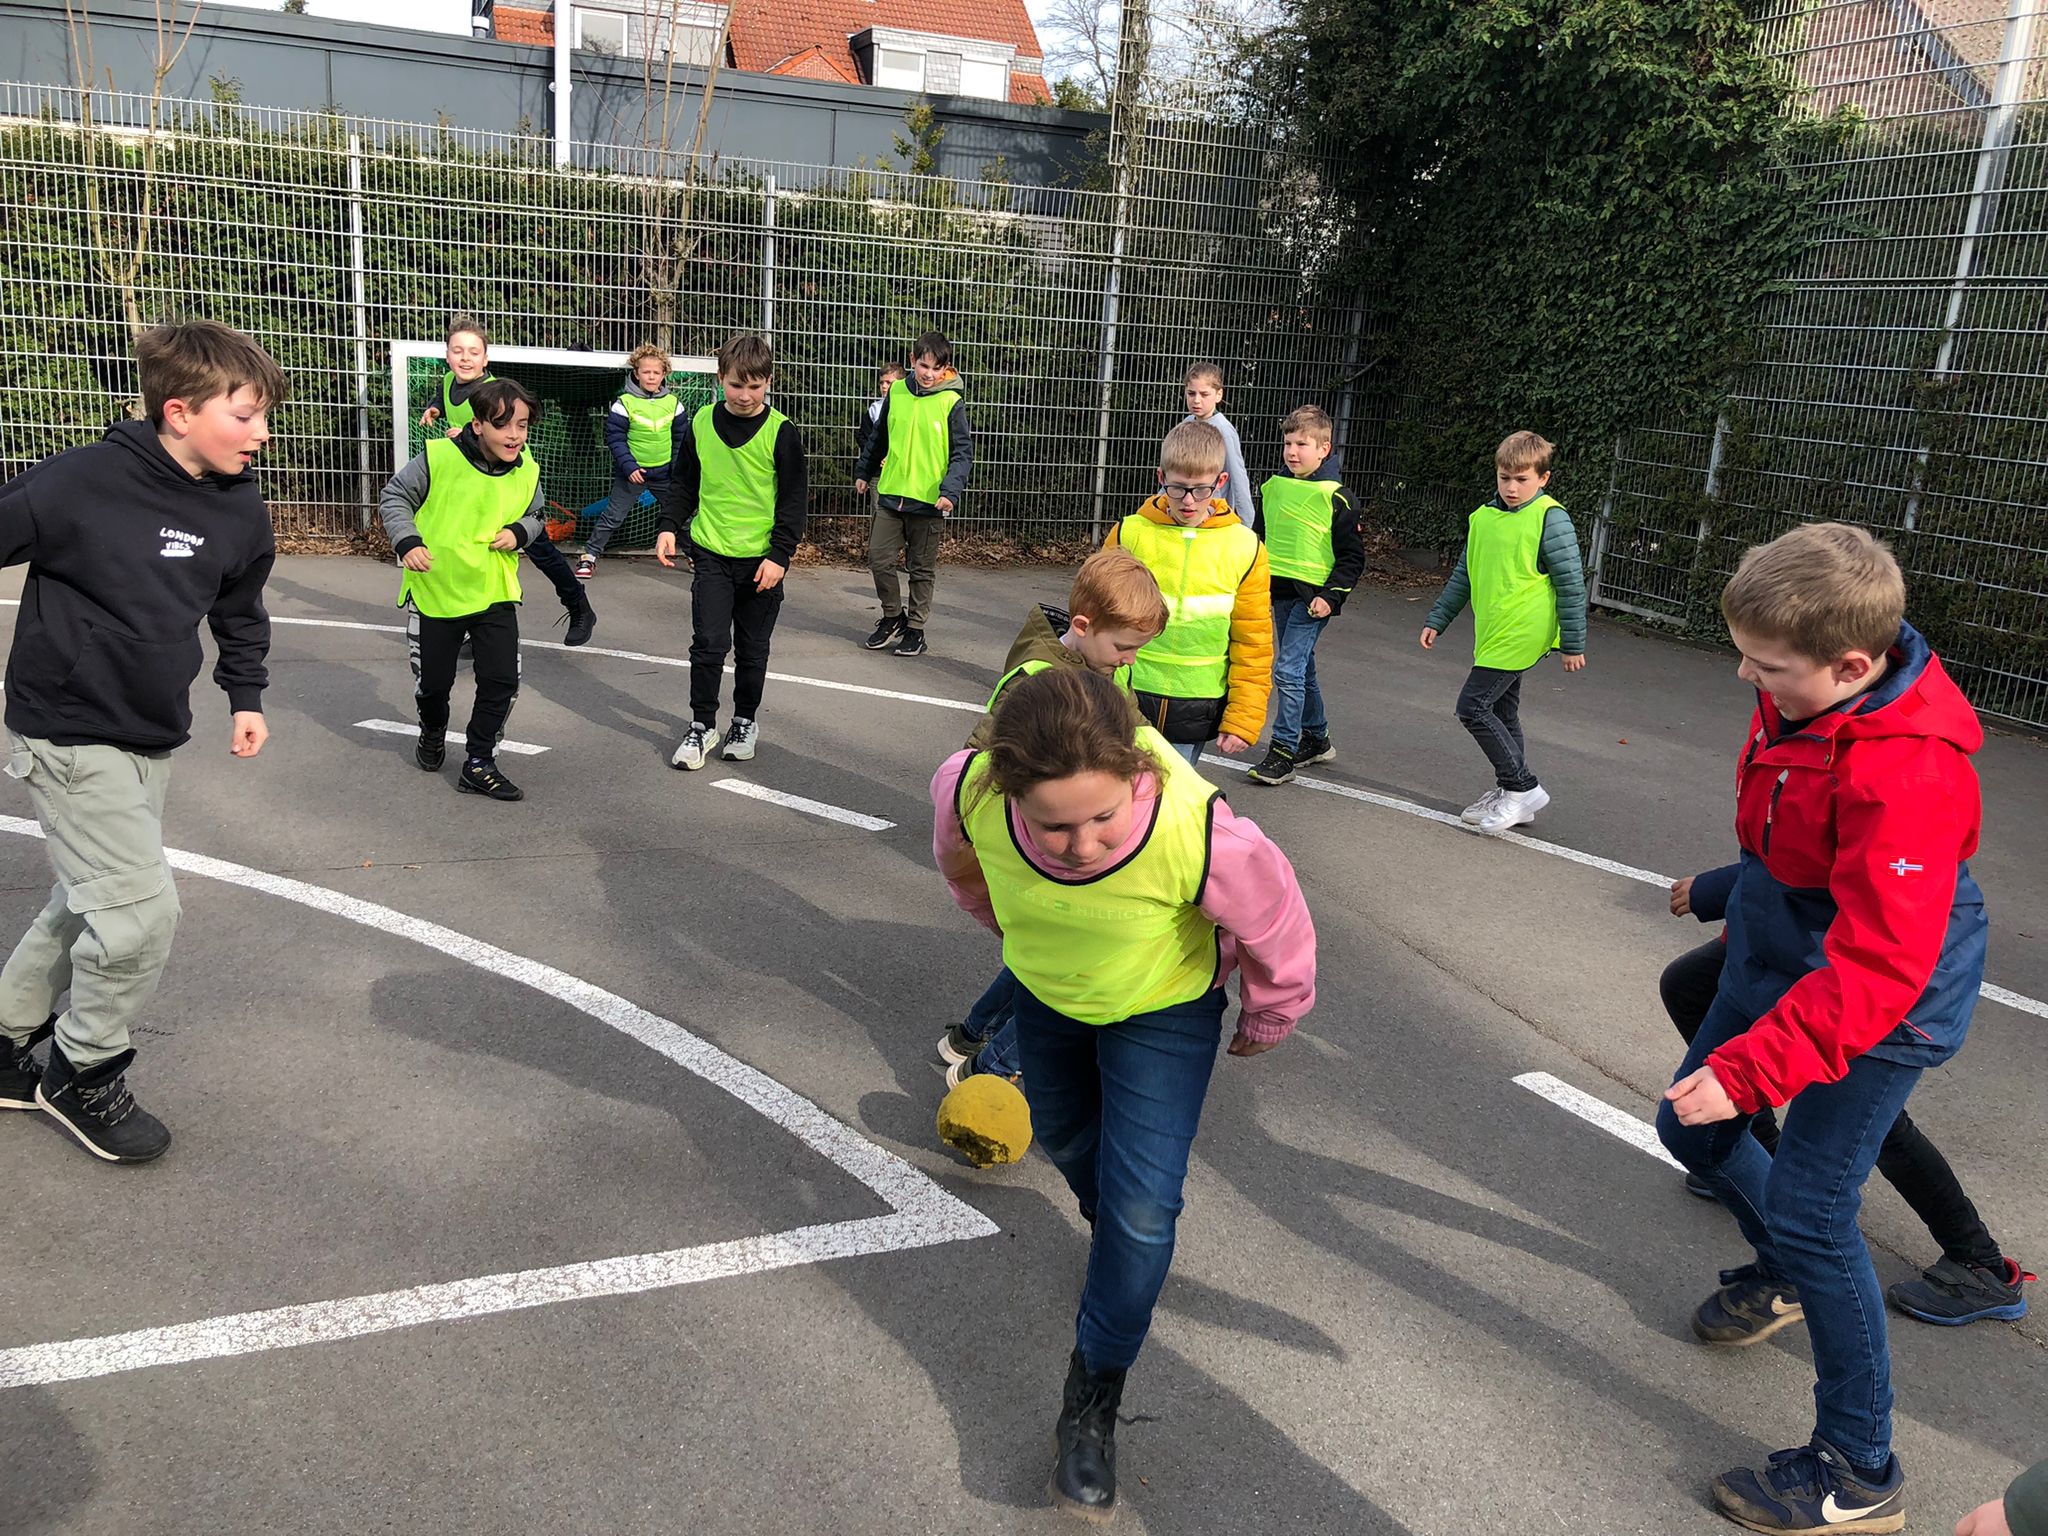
[{"x": 126, "y": 554}]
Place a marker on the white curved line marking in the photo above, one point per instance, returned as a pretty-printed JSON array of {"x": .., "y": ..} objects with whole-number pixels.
[{"x": 921, "y": 1213}]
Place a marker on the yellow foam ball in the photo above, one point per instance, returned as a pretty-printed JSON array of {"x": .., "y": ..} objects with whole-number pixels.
[{"x": 986, "y": 1120}]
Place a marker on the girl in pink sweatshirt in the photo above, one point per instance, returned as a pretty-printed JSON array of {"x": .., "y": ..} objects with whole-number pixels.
[{"x": 1126, "y": 893}]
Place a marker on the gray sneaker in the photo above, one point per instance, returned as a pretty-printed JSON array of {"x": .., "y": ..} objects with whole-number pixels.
[
  {"x": 696, "y": 746},
  {"x": 739, "y": 741},
  {"x": 1478, "y": 808}
]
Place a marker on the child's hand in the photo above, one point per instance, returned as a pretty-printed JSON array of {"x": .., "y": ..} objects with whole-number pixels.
[
  {"x": 1985, "y": 1520},
  {"x": 418, "y": 559},
  {"x": 453, "y": 433},
  {"x": 247, "y": 733},
  {"x": 1574, "y": 663},
  {"x": 665, "y": 548},
  {"x": 945, "y": 506},
  {"x": 860, "y": 487},
  {"x": 638, "y": 477},
  {"x": 1242, "y": 1044},
  {"x": 1428, "y": 637},
  {"x": 1699, "y": 1099},
  {"x": 1230, "y": 746},
  {"x": 430, "y": 415},
  {"x": 504, "y": 540},
  {"x": 1681, "y": 897},
  {"x": 768, "y": 576},
  {"x": 1318, "y": 608}
]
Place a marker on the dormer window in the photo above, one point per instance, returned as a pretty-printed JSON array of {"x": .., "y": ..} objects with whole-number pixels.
[{"x": 934, "y": 64}]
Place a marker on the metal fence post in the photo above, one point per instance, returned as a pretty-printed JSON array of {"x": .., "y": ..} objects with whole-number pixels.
[
  {"x": 1126, "y": 133},
  {"x": 768, "y": 261},
  {"x": 1995, "y": 149},
  {"x": 360, "y": 312}
]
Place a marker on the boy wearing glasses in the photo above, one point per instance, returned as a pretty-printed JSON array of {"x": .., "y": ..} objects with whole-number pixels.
[{"x": 1210, "y": 671}]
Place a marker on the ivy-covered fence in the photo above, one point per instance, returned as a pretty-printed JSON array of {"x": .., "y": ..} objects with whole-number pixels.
[{"x": 328, "y": 237}]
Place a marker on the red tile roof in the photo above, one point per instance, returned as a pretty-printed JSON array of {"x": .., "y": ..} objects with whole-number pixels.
[{"x": 809, "y": 39}]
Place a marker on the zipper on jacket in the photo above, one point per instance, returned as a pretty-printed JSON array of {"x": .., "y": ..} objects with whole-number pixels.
[{"x": 1771, "y": 810}]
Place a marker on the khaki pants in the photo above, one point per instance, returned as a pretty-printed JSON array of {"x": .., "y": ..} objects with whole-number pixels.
[
  {"x": 105, "y": 934},
  {"x": 918, "y": 538}
]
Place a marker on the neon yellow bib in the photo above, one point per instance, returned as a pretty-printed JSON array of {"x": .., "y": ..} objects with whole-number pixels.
[
  {"x": 463, "y": 512},
  {"x": 1297, "y": 517},
  {"x": 1514, "y": 606},
  {"x": 648, "y": 423},
  {"x": 735, "y": 489},
  {"x": 1125, "y": 942},
  {"x": 920, "y": 447},
  {"x": 455, "y": 417},
  {"x": 1198, "y": 571}
]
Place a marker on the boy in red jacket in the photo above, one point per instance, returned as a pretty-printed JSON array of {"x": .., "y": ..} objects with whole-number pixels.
[{"x": 1855, "y": 951}]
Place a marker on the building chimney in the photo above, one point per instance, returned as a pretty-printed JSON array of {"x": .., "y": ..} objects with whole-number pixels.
[{"x": 480, "y": 22}]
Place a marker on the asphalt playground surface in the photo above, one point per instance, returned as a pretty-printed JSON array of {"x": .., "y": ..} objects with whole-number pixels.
[{"x": 569, "y": 1166}]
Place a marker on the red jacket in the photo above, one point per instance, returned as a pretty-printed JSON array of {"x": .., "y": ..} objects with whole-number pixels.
[{"x": 1855, "y": 926}]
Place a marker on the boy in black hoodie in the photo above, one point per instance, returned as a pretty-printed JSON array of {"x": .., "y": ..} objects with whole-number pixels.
[{"x": 130, "y": 542}]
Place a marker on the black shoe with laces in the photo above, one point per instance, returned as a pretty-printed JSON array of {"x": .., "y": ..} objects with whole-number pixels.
[
  {"x": 482, "y": 778},
  {"x": 885, "y": 633},
  {"x": 581, "y": 619},
  {"x": 95, "y": 1106},
  {"x": 432, "y": 749},
  {"x": 1084, "y": 1477},
  {"x": 19, "y": 1073},
  {"x": 912, "y": 643},
  {"x": 1276, "y": 768},
  {"x": 1314, "y": 749},
  {"x": 1747, "y": 1309}
]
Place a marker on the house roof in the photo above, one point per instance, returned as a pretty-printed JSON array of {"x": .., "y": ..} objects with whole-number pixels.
[{"x": 810, "y": 39}]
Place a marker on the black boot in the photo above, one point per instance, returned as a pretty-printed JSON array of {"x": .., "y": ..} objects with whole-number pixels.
[
  {"x": 480, "y": 776},
  {"x": 1084, "y": 1477},
  {"x": 19, "y": 1073},
  {"x": 580, "y": 616},
  {"x": 95, "y": 1106}
]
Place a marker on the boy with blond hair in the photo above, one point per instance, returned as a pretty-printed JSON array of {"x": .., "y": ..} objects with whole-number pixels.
[
  {"x": 1855, "y": 953},
  {"x": 130, "y": 542},
  {"x": 1210, "y": 672},
  {"x": 639, "y": 431},
  {"x": 1521, "y": 572},
  {"x": 1113, "y": 609},
  {"x": 1310, "y": 529}
]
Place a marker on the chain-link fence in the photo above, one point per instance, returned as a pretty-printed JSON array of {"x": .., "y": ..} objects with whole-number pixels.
[
  {"x": 1074, "y": 310},
  {"x": 1903, "y": 376}
]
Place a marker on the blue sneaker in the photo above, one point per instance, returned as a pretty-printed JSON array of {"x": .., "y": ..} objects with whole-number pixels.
[
  {"x": 1747, "y": 1309},
  {"x": 1810, "y": 1490},
  {"x": 1952, "y": 1294}
]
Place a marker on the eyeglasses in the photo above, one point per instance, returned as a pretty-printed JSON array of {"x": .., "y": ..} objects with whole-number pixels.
[{"x": 1175, "y": 492}]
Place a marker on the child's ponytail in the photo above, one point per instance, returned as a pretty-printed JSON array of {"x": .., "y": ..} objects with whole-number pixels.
[{"x": 1060, "y": 722}]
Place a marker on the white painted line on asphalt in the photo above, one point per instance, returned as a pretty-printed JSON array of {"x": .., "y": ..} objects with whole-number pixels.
[
  {"x": 921, "y": 1212},
  {"x": 1639, "y": 1134},
  {"x": 2017, "y": 1000},
  {"x": 402, "y": 728},
  {"x": 808, "y": 807}
]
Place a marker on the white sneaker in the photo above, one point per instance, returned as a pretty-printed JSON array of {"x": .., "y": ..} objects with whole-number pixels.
[
  {"x": 739, "y": 742},
  {"x": 1478, "y": 808},
  {"x": 696, "y": 746},
  {"x": 1514, "y": 808}
]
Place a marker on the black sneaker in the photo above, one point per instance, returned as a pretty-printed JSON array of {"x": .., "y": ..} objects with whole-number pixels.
[
  {"x": 885, "y": 633},
  {"x": 581, "y": 619},
  {"x": 958, "y": 1045},
  {"x": 1747, "y": 1309},
  {"x": 1084, "y": 1476},
  {"x": 1809, "y": 1490},
  {"x": 19, "y": 1073},
  {"x": 1952, "y": 1294},
  {"x": 1313, "y": 749},
  {"x": 912, "y": 643},
  {"x": 1276, "y": 768},
  {"x": 432, "y": 749},
  {"x": 1695, "y": 1184},
  {"x": 95, "y": 1106},
  {"x": 483, "y": 778}
]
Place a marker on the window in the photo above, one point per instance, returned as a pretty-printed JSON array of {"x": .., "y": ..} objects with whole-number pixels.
[
  {"x": 694, "y": 45},
  {"x": 601, "y": 32},
  {"x": 978, "y": 78},
  {"x": 899, "y": 69}
]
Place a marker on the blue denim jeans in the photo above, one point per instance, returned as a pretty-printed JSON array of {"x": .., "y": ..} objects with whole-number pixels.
[
  {"x": 1295, "y": 632},
  {"x": 1798, "y": 1210},
  {"x": 1490, "y": 707},
  {"x": 1115, "y": 1107},
  {"x": 1191, "y": 750},
  {"x": 993, "y": 1021}
]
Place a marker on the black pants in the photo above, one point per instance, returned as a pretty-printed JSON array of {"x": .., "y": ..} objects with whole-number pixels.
[
  {"x": 493, "y": 637},
  {"x": 1490, "y": 707},
  {"x": 554, "y": 565},
  {"x": 727, "y": 614},
  {"x": 1911, "y": 1163}
]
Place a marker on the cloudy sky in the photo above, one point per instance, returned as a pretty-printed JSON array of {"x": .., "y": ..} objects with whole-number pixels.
[{"x": 430, "y": 15}]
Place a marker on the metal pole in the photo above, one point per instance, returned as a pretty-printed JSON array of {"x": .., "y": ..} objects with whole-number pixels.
[
  {"x": 360, "y": 307},
  {"x": 1346, "y": 397},
  {"x": 565, "y": 40},
  {"x": 1602, "y": 524},
  {"x": 1134, "y": 23},
  {"x": 768, "y": 262},
  {"x": 1992, "y": 155}
]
